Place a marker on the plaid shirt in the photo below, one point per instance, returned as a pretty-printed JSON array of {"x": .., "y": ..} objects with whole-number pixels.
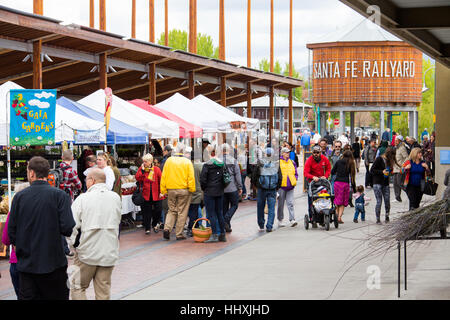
[{"x": 71, "y": 181}]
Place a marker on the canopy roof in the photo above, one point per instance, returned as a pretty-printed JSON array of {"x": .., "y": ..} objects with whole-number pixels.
[
  {"x": 132, "y": 115},
  {"x": 209, "y": 105},
  {"x": 194, "y": 113},
  {"x": 277, "y": 101},
  {"x": 187, "y": 130},
  {"x": 65, "y": 120},
  {"x": 118, "y": 132}
]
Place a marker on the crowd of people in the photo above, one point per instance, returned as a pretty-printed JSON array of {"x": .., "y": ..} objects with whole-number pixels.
[{"x": 178, "y": 186}]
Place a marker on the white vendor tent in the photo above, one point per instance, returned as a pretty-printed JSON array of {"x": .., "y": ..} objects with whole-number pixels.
[
  {"x": 195, "y": 113},
  {"x": 132, "y": 115},
  {"x": 227, "y": 114},
  {"x": 65, "y": 120}
]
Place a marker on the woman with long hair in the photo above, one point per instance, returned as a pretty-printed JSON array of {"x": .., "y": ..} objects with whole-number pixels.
[
  {"x": 381, "y": 169},
  {"x": 344, "y": 170},
  {"x": 416, "y": 170}
]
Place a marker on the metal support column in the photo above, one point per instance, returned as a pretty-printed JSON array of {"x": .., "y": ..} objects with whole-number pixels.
[
  {"x": 411, "y": 123},
  {"x": 381, "y": 122},
  {"x": 352, "y": 127},
  {"x": 342, "y": 122}
]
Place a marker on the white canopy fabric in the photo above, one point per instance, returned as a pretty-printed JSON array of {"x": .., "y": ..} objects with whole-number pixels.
[
  {"x": 133, "y": 115},
  {"x": 65, "y": 120},
  {"x": 206, "y": 118},
  {"x": 227, "y": 114}
]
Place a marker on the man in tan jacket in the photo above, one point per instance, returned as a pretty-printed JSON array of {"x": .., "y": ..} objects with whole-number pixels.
[
  {"x": 401, "y": 155},
  {"x": 178, "y": 182},
  {"x": 97, "y": 215}
]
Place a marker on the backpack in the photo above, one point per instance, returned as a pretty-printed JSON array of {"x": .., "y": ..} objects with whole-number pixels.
[
  {"x": 226, "y": 176},
  {"x": 56, "y": 178},
  {"x": 269, "y": 176}
]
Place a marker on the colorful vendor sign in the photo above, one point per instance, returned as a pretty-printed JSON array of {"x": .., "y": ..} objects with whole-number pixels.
[{"x": 32, "y": 117}]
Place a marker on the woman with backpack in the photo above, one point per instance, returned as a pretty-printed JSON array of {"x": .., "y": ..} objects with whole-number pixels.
[
  {"x": 213, "y": 185},
  {"x": 344, "y": 170}
]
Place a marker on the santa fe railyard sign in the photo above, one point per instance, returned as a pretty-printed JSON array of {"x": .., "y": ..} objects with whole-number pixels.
[{"x": 364, "y": 69}]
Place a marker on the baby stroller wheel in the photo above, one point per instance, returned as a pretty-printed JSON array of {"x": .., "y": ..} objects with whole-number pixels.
[
  {"x": 306, "y": 221},
  {"x": 335, "y": 220},
  {"x": 326, "y": 221}
]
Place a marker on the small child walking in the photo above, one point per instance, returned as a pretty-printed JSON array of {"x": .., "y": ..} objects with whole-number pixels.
[{"x": 360, "y": 203}]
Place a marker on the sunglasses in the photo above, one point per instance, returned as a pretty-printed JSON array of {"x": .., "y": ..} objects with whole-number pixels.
[{"x": 316, "y": 152}]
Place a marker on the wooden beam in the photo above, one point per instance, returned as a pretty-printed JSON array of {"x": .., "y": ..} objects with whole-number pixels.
[
  {"x": 102, "y": 71},
  {"x": 151, "y": 20},
  {"x": 165, "y": 93},
  {"x": 80, "y": 83},
  {"x": 223, "y": 91},
  {"x": 271, "y": 110},
  {"x": 138, "y": 86},
  {"x": 38, "y": 7},
  {"x": 191, "y": 83},
  {"x": 166, "y": 24},
  {"x": 249, "y": 42},
  {"x": 91, "y": 14},
  {"x": 5, "y": 51},
  {"x": 290, "y": 121},
  {"x": 424, "y": 18},
  {"x": 271, "y": 36},
  {"x": 44, "y": 69},
  {"x": 133, "y": 19},
  {"x": 37, "y": 65},
  {"x": 221, "y": 30},
  {"x": 152, "y": 84},
  {"x": 192, "y": 26},
  {"x": 249, "y": 100},
  {"x": 102, "y": 15},
  {"x": 290, "y": 39}
]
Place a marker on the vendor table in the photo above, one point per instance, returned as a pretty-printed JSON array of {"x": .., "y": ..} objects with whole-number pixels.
[{"x": 128, "y": 206}]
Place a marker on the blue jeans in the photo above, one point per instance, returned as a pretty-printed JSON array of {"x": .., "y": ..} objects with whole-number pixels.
[
  {"x": 243, "y": 175},
  {"x": 193, "y": 214},
  {"x": 230, "y": 205},
  {"x": 359, "y": 208},
  {"x": 14, "y": 277},
  {"x": 214, "y": 207},
  {"x": 271, "y": 196},
  {"x": 382, "y": 192}
]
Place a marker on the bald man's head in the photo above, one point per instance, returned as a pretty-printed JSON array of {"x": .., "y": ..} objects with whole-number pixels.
[{"x": 97, "y": 175}]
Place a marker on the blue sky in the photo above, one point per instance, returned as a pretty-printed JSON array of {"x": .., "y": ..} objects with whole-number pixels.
[{"x": 312, "y": 19}]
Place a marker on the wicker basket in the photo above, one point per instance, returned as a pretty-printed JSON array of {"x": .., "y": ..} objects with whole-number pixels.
[{"x": 202, "y": 233}]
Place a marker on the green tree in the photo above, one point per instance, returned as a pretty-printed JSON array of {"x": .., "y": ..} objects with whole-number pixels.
[{"x": 178, "y": 39}]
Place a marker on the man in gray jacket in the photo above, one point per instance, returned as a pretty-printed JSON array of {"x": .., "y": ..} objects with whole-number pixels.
[
  {"x": 401, "y": 155},
  {"x": 233, "y": 190}
]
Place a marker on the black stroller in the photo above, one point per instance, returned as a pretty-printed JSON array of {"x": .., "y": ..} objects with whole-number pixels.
[{"x": 323, "y": 208}]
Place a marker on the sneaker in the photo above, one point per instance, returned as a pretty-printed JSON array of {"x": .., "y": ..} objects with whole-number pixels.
[
  {"x": 261, "y": 229},
  {"x": 268, "y": 230},
  {"x": 183, "y": 237},
  {"x": 378, "y": 221},
  {"x": 222, "y": 237},
  {"x": 281, "y": 224},
  {"x": 356, "y": 220},
  {"x": 166, "y": 235},
  {"x": 362, "y": 220},
  {"x": 214, "y": 238},
  {"x": 147, "y": 231},
  {"x": 386, "y": 219},
  {"x": 293, "y": 223},
  {"x": 139, "y": 226}
]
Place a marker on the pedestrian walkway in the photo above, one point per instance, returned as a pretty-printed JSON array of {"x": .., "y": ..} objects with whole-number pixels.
[{"x": 290, "y": 263}]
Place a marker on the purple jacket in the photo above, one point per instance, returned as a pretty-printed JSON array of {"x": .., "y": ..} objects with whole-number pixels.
[
  {"x": 288, "y": 182},
  {"x": 5, "y": 240}
]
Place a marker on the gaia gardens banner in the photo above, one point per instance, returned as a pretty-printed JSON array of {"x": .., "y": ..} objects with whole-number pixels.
[{"x": 32, "y": 117}]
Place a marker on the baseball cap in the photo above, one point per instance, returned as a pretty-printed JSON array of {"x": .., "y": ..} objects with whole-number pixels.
[
  {"x": 168, "y": 147},
  {"x": 316, "y": 148},
  {"x": 283, "y": 150},
  {"x": 399, "y": 137},
  {"x": 269, "y": 151}
]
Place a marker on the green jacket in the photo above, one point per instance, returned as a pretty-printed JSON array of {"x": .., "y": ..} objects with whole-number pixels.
[{"x": 197, "y": 196}]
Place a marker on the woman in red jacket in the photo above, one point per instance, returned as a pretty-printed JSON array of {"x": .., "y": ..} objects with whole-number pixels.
[{"x": 149, "y": 178}]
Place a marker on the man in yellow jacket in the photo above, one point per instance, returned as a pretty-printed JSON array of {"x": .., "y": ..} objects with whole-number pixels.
[{"x": 177, "y": 181}]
